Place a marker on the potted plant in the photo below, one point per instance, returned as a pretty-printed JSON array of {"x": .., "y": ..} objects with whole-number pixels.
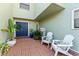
[
  {"x": 31, "y": 33},
  {"x": 11, "y": 40},
  {"x": 11, "y": 28},
  {"x": 37, "y": 34}
]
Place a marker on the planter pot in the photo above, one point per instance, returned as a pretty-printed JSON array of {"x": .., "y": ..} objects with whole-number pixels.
[
  {"x": 36, "y": 37},
  {"x": 31, "y": 35},
  {"x": 11, "y": 43}
]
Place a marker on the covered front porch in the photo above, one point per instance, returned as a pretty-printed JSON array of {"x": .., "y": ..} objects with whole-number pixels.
[{"x": 30, "y": 47}]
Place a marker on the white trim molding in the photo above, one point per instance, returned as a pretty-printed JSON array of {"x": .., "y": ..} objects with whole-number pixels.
[
  {"x": 21, "y": 21},
  {"x": 72, "y": 19},
  {"x": 73, "y": 27}
]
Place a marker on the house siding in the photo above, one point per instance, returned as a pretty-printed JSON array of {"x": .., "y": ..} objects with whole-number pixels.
[{"x": 61, "y": 24}]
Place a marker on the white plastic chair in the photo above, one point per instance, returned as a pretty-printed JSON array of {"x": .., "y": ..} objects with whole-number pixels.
[
  {"x": 63, "y": 46},
  {"x": 47, "y": 39}
]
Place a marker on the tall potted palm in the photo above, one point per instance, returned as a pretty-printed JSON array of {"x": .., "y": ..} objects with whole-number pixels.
[
  {"x": 11, "y": 28},
  {"x": 11, "y": 40}
]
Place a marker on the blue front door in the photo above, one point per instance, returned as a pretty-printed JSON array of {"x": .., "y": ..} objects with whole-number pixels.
[{"x": 23, "y": 30}]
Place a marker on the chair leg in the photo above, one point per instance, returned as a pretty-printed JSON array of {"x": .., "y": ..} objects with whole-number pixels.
[
  {"x": 41, "y": 42},
  {"x": 51, "y": 47},
  {"x": 56, "y": 52},
  {"x": 48, "y": 45}
]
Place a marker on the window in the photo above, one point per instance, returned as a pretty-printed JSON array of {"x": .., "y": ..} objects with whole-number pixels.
[
  {"x": 25, "y": 6},
  {"x": 75, "y": 18}
]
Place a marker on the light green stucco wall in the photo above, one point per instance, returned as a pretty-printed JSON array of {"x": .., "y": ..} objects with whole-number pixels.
[
  {"x": 8, "y": 10},
  {"x": 21, "y": 13},
  {"x": 5, "y": 14},
  {"x": 35, "y": 10},
  {"x": 61, "y": 24}
]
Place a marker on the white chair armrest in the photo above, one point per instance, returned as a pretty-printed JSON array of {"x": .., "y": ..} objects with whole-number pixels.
[
  {"x": 64, "y": 45},
  {"x": 43, "y": 36},
  {"x": 56, "y": 41}
]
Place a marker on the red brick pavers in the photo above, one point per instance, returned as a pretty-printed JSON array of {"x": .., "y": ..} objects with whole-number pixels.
[{"x": 30, "y": 47}]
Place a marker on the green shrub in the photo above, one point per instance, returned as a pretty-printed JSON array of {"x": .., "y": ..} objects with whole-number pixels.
[
  {"x": 4, "y": 48},
  {"x": 11, "y": 28},
  {"x": 36, "y": 34}
]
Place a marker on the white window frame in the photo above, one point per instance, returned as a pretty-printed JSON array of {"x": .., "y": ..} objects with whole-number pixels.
[
  {"x": 27, "y": 4},
  {"x": 73, "y": 18}
]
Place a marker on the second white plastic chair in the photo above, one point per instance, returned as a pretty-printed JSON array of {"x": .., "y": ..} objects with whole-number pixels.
[{"x": 48, "y": 38}]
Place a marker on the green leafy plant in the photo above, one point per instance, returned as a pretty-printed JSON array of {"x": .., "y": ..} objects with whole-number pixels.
[
  {"x": 17, "y": 27},
  {"x": 5, "y": 49},
  {"x": 37, "y": 34},
  {"x": 11, "y": 28},
  {"x": 0, "y": 47}
]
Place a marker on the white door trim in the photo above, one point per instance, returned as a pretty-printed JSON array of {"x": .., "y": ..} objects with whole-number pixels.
[{"x": 21, "y": 21}]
